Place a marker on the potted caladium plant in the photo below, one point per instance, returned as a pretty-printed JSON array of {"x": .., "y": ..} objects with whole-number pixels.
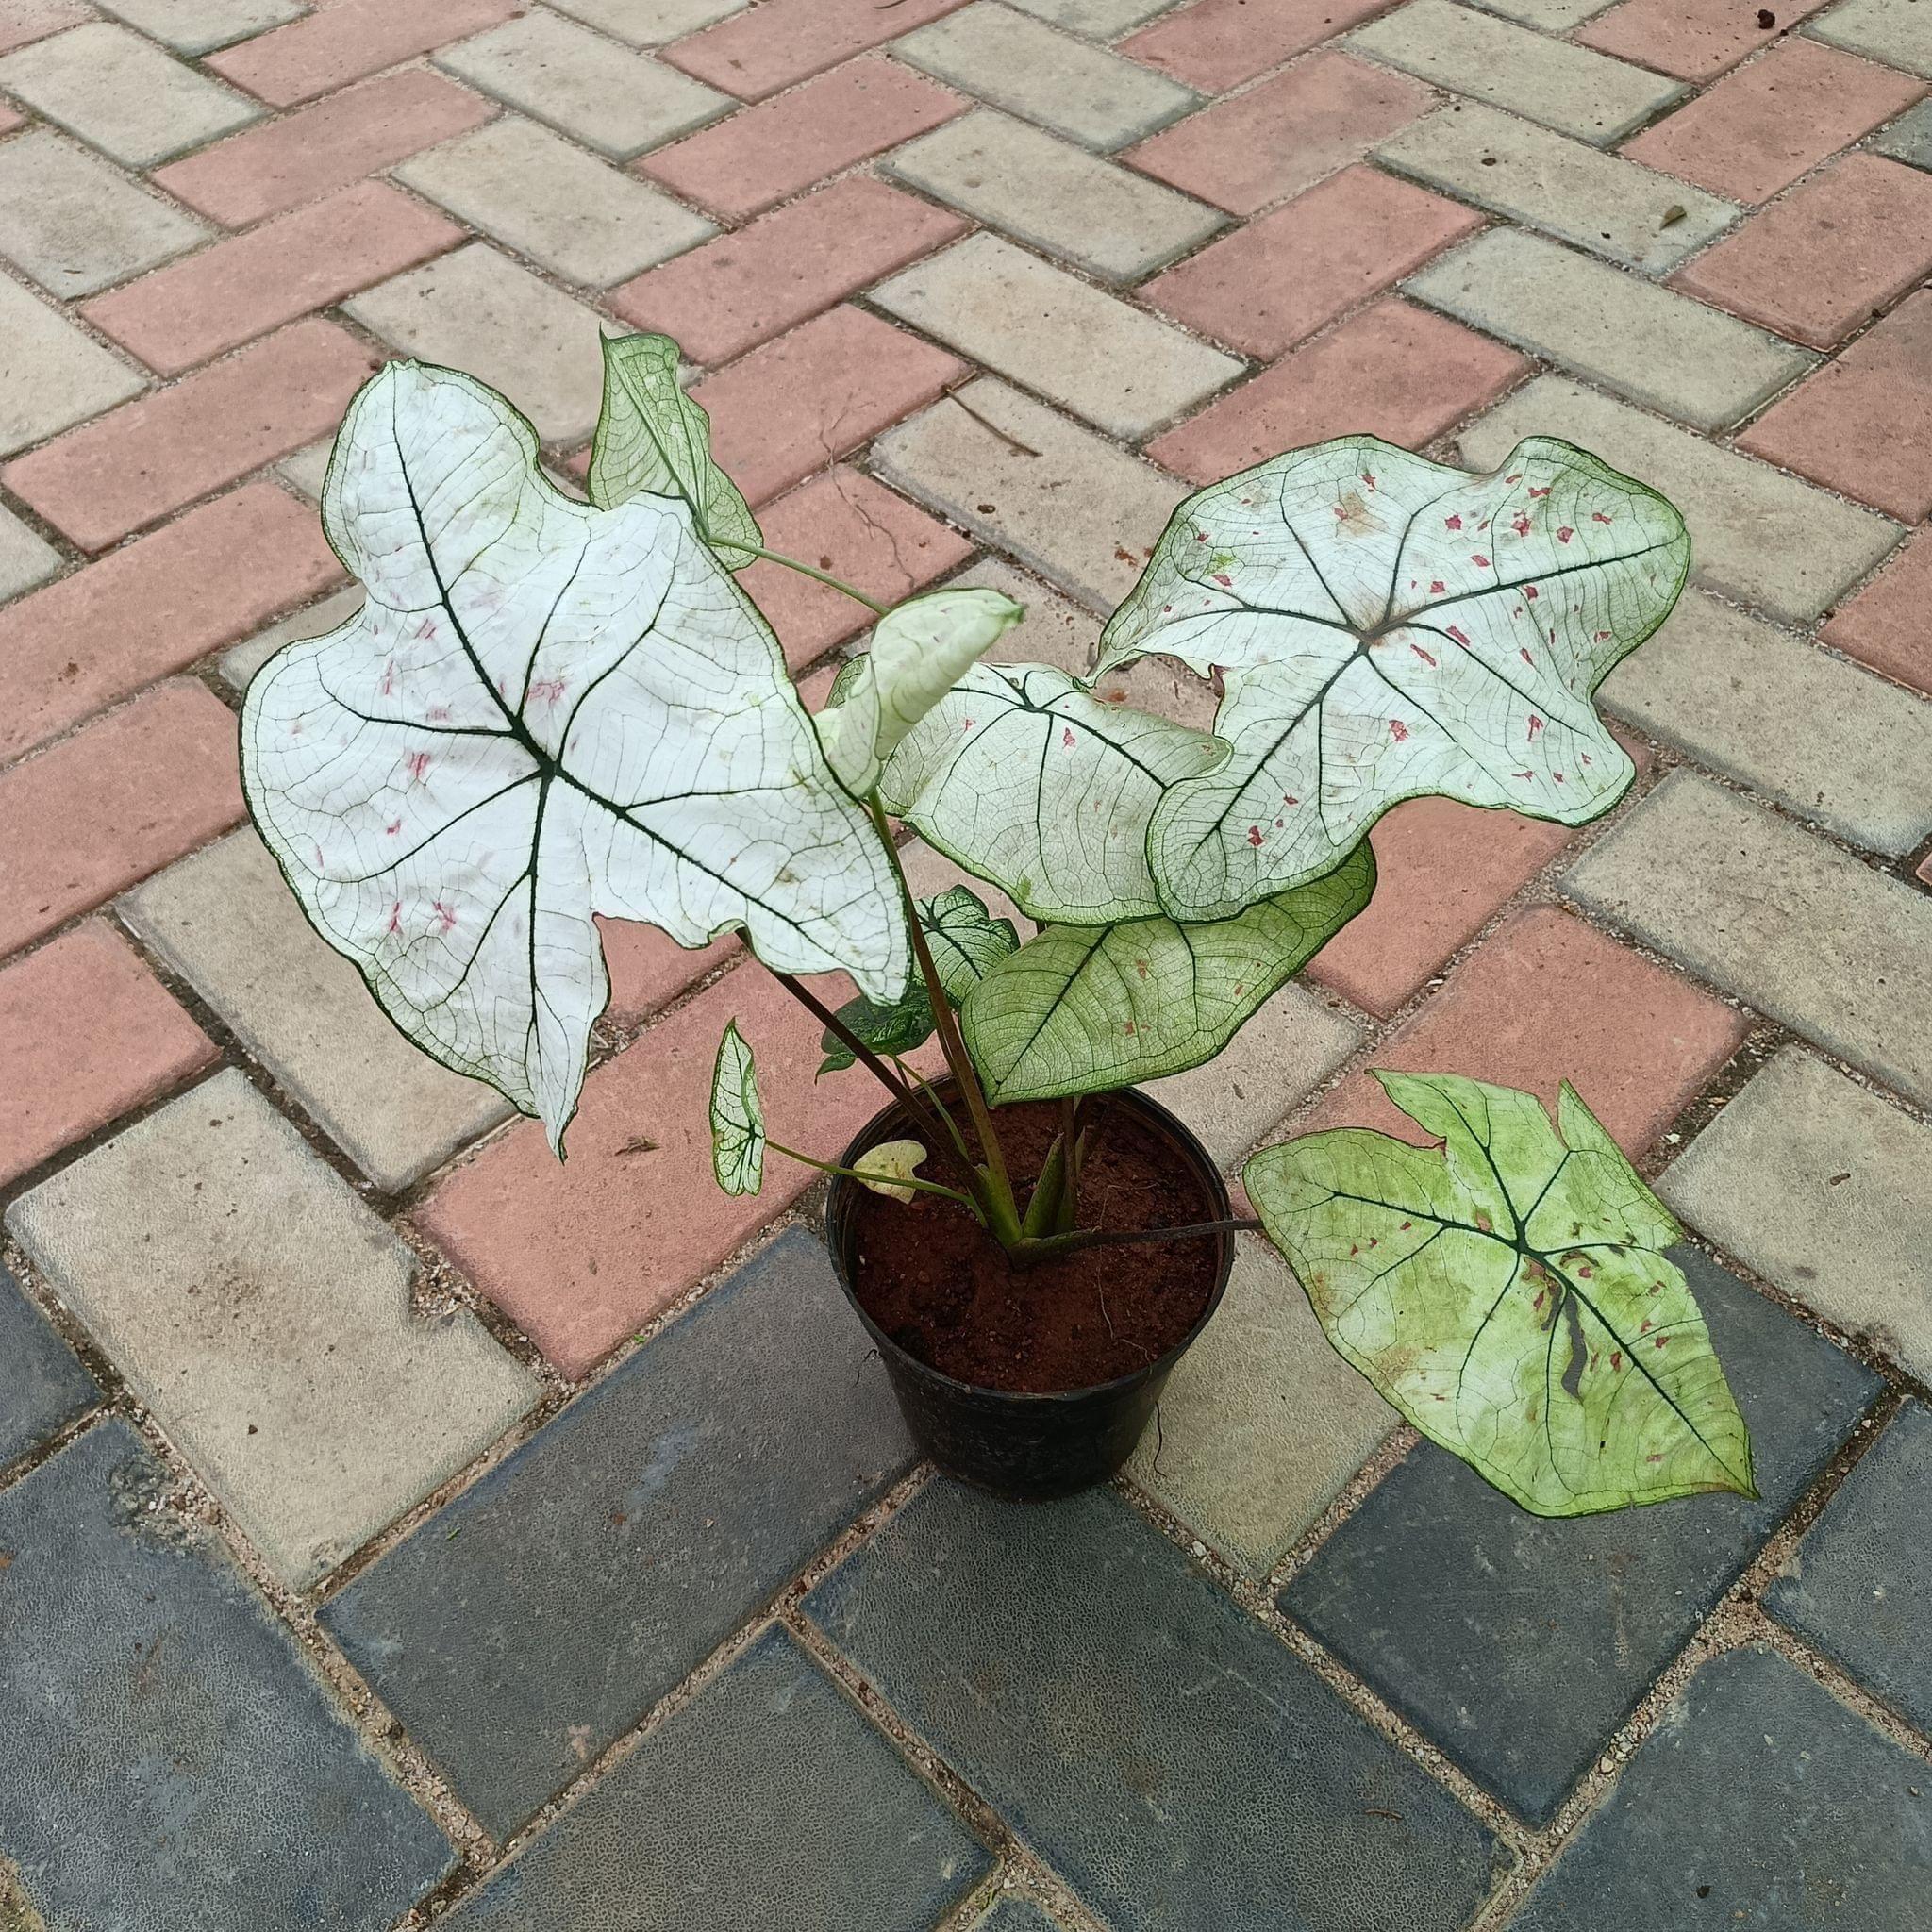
[{"x": 550, "y": 710}]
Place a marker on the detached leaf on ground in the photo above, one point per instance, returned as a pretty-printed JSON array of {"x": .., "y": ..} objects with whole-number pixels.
[
  {"x": 738, "y": 1116},
  {"x": 652, "y": 437},
  {"x": 1508, "y": 1293},
  {"x": 1389, "y": 627}
]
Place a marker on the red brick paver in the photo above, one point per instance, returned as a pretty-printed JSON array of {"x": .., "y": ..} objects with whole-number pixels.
[
  {"x": 760, "y": 155},
  {"x": 802, "y": 402},
  {"x": 1394, "y": 371},
  {"x": 345, "y": 42},
  {"x": 1216, "y": 45},
  {"x": 151, "y": 455},
  {"x": 238, "y": 290},
  {"x": 1547, "y": 999},
  {"x": 744, "y": 287},
  {"x": 1863, "y": 423},
  {"x": 217, "y": 573},
  {"x": 1694, "y": 39},
  {"x": 87, "y": 1032},
  {"x": 1278, "y": 279},
  {"x": 1885, "y": 625},
  {"x": 304, "y": 156},
  {"x": 21, "y": 21},
  {"x": 120, "y": 799},
  {"x": 1283, "y": 136},
  {"x": 1760, "y": 128},
  {"x": 1828, "y": 257},
  {"x": 771, "y": 47}
]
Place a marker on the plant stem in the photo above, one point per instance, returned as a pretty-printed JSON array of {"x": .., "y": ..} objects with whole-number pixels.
[
  {"x": 1070, "y": 1140},
  {"x": 954, "y": 1045},
  {"x": 853, "y": 1174},
  {"x": 823, "y": 576},
  {"x": 840, "y": 1031},
  {"x": 1106, "y": 1237}
]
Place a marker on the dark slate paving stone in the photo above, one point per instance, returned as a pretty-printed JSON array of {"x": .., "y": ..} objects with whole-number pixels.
[
  {"x": 1016, "y": 1915},
  {"x": 1518, "y": 1643},
  {"x": 767, "y": 1804},
  {"x": 1860, "y": 1586},
  {"x": 1760, "y": 1805},
  {"x": 1164, "y": 1753},
  {"x": 169, "y": 1760},
  {"x": 545, "y": 1610},
  {"x": 43, "y": 1385}
]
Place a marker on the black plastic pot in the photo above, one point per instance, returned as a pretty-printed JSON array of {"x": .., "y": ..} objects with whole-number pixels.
[{"x": 1026, "y": 1447}]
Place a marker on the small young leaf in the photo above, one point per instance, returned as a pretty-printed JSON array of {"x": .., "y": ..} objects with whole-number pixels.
[
  {"x": 918, "y": 649},
  {"x": 1083, "y": 1010},
  {"x": 1026, "y": 778},
  {"x": 885, "y": 1167},
  {"x": 652, "y": 437},
  {"x": 1390, "y": 628},
  {"x": 738, "y": 1116},
  {"x": 966, "y": 942},
  {"x": 1509, "y": 1293},
  {"x": 896, "y": 1029}
]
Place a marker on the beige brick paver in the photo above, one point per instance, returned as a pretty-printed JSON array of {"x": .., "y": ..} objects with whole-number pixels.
[{"x": 52, "y": 374}]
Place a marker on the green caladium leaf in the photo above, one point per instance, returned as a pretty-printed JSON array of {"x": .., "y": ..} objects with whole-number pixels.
[
  {"x": 544, "y": 711},
  {"x": 1509, "y": 1293},
  {"x": 1388, "y": 628},
  {"x": 966, "y": 942},
  {"x": 738, "y": 1116},
  {"x": 1082, "y": 1010},
  {"x": 652, "y": 437},
  {"x": 918, "y": 648},
  {"x": 1026, "y": 778}
]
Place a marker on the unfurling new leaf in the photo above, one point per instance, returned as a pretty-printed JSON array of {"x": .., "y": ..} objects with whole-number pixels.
[
  {"x": 738, "y": 1116},
  {"x": 1509, "y": 1293}
]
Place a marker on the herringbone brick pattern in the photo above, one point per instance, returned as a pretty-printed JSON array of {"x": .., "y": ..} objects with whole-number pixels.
[{"x": 971, "y": 287}]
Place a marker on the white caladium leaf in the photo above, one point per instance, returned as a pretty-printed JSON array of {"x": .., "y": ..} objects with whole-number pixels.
[
  {"x": 652, "y": 437},
  {"x": 544, "y": 711},
  {"x": 1510, "y": 1295},
  {"x": 1388, "y": 628},
  {"x": 885, "y": 1169},
  {"x": 1087, "y": 1008},
  {"x": 738, "y": 1116},
  {"x": 1024, "y": 777},
  {"x": 918, "y": 649}
]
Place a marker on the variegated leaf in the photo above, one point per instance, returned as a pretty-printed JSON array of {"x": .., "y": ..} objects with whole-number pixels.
[{"x": 738, "y": 1116}]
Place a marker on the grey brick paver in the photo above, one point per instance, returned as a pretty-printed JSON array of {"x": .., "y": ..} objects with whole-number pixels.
[
  {"x": 1761, "y": 536},
  {"x": 1909, "y": 138},
  {"x": 1160, "y": 1749},
  {"x": 1016, "y": 474},
  {"x": 546, "y": 1609},
  {"x": 239, "y": 663},
  {"x": 1116, "y": 224},
  {"x": 52, "y": 375},
  {"x": 1574, "y": 90},
  {"x": 75, "y": 224},
  {"x": 43, "y": 1385},
  {"x": 1566, "y": 188},
  {"x": 1775, "y": 916},
  {"x": 1101, "y": 20},
  {"x": 1828, "y": 741},
  {"x": 478, "y": 311},
  {"x": 1011, "y": 60},
  {"x": 170, "y": 1761},
  {"x": 1652, "y": 344},
  {"x": 1121, "y": 369},
  {"x": 1821, "y": 1188},
  {"x": 1760, "y": 1801},
  {"x": 1519, "y": 1643},
  {"x": 122, "y": 94},
  {"x": 1261, "y": 1422},
  {"x": 198, "y": 27},
  {"x": 1898, "y": 32},
  {"x": 534, "y": 192},
  {"x": 262, "y": 1313},
  {"x": 648, "y": 23},
  {"x": 225, "y": 921},
  {"x": 616, "y": 102},
  {"x": 766, "y": 1805},
  {"x": 1860, "y": 1586},
  {"x": 1053, "y": 631},
  {"x": 25, "y": 558}
]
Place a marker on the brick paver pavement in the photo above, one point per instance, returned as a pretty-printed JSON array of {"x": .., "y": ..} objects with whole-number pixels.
[{"x": 370, "y": 1486}]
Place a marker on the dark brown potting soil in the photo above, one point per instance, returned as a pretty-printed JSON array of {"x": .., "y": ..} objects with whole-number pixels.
[{"x": 944, "y": 1290}]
